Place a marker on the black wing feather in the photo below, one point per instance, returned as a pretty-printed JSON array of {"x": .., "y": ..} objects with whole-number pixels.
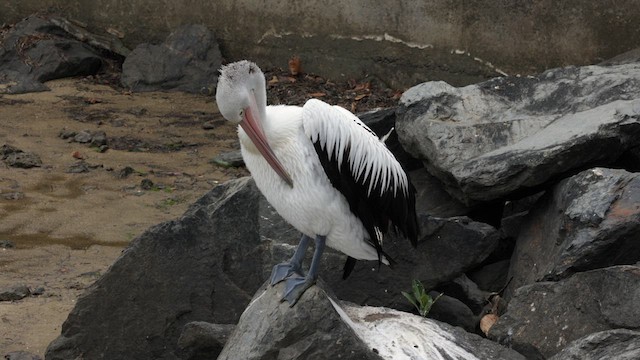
[{"x": 376, "y": 209}]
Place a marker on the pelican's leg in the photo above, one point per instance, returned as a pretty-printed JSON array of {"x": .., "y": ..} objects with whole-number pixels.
[
  {"x": 296, "y": 286},
  {"x": 284, "y": 270}
]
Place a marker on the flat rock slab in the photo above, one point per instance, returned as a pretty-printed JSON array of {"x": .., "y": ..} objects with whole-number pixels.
[
  {"x": 513, "y": 135},
  {"x": 545, "y": 317}
]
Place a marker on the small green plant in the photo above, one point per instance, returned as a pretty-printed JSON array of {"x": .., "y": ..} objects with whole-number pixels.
[{"x": 420, "y": 298}]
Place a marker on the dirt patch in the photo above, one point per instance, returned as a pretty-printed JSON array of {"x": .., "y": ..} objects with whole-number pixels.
[{"x": 68, "y": 227}]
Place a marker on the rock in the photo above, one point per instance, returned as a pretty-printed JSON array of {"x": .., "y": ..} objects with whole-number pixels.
[
  {"x": 588, "y": 221},
  {"x": 16, "y": 195},
  {"x": 629, "y": 57},
  {"x": 13, "y": 293},
  {"x": 432, "y": 262},
  {"x": 229, "y": 159},
  {"x": 36, "y": 50},
  {"x": 465, "y": 290},
  {"x": 312, "y": 329},
  {"x": 491, "y": 277},
  {"x": 188, "y": 61},
  {"x": 146, "y": 184},
  {"x": 39, "y": 290},
  {"x": 25, "y": 160},
  {"x": 432, "y": 198},
  {"x": 382, "y": 122},
  {"x": 7, "y": 244},
  {"x": 125, "y": 172},
  {"x": 202, "y": 340},
  {"x": 321, "y": 327},
  {"x": 452, "y": 311},
  {"x": 13, "y": 82},
  {"x": 619, "y": 344},
  {"x": 21, "y": 355},
  {"x": 544, "y": 317},
  {"x": 83, "y": 137},
  {"x": 201, "y": 267},
  {"x": 78, "y": 167},
  {"x": 98, "y": 139},
  {"x": 510, "y": 136}
]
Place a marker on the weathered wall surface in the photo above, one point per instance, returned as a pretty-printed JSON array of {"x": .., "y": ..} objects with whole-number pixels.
[{"x": 400, "y": 41}]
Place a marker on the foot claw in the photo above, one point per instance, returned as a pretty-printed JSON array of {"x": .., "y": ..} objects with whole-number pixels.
[
  {"x": 295, "y": 287},
  {"x": 283, "y": 271}
]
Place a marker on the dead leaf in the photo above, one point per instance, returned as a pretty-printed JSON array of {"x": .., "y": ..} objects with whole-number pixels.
[
  {"x": 92, "y": 101},
  {"x": 361, "y": 96},
  {"x": 487, "y": 322},
  {"x": 317, "y": 94},
  {"x": 362, "y": 86},
  {"x": 274, "y": 80},
  {"x": 295, "y": 66}
]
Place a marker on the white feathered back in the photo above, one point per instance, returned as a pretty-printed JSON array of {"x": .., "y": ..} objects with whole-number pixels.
[{"x": 339, "y": 132}]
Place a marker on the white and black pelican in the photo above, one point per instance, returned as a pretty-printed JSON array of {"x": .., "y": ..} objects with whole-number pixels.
[{"x": 322, "y": 169}]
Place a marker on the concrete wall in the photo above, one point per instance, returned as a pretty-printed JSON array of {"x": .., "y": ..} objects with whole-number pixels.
[{"x": 400, "y": 41}]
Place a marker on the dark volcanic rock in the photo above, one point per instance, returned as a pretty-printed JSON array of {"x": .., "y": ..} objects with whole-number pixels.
[
  {"x": 203, "y": 266},
  {"x": 37, "y": 50},
  {"x": 544, "y": 317},
  {"x": 312, "y": 329},
  {"x": 229, "y": 159},
  {"x": 618, "y": 344},
  {"x": 452, "y": 311},
  {"x": 175, "y": 273},
  {"x": 21, "y": 355},
  {"x": 509, "y": 136},
  {"x": 432, "y": 198},
  {"x": 448, "y": 247},
  {"x": 203, "y": 340},
  {"x": 188, "y": 60},
  {"x": 25, "y": 160},
  {"x": 321, "y": 327},
  {"x": 588, "y": 221},
  {"x": 14, "y": 293}
]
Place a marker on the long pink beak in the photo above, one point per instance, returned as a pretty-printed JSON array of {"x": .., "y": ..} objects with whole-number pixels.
[{"x": 251, "y": 124}]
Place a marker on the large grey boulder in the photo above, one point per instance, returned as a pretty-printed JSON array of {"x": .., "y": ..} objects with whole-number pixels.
[
  {"x": 188, "y": 60},
  {"x": 618, "y": 344},
  {"x": 322, "y": 327},
  {"x": 587, "y": 221},
  {"x": 509, "y": 136},
  {"x": 544, "y": 317},
  {"x": 173, "y": 274},
  {"x": 36, "y": 50}
]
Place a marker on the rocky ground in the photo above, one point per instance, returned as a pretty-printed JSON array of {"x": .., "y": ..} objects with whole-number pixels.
[{"x": 65, "y": 221}]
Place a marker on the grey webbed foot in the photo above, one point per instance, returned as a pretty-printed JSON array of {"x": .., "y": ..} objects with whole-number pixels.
[
  {"x": 294, "y": 288},
  {"x": 283, "y": 271}
]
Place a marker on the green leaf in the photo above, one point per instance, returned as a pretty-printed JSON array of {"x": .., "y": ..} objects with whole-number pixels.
[{"x": 411, "y": 299}]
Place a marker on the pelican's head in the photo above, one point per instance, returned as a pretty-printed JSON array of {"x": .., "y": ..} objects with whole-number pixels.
[
  {"x": 241, "y": 96},
  {"x": 241, "y": 86}
]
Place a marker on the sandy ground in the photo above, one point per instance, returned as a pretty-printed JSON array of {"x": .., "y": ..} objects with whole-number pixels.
[{"x": 68, "y": 228}]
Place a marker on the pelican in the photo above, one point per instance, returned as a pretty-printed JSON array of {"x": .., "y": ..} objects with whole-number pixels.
[{"x": 323, "y": 170}]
